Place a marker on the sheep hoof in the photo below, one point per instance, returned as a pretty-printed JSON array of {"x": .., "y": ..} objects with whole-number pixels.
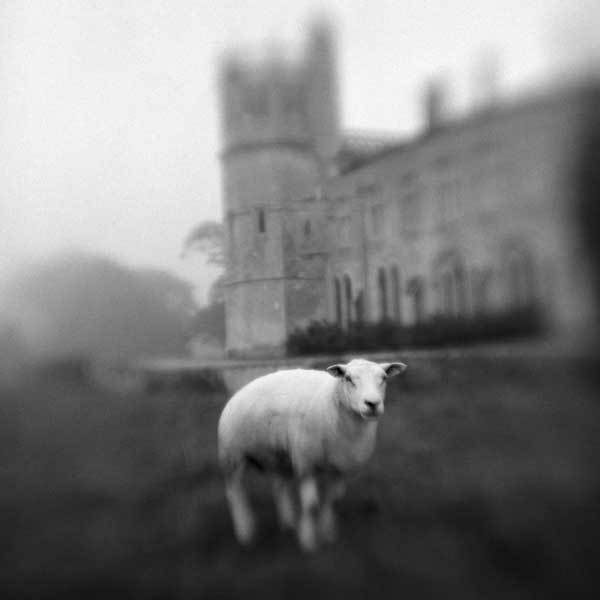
[
  {"x": 245, "y": 531},
  {"x": 328, "y": 528},
  {"x": 245, "y": 539},
  {"x": 307, "y": 536}
]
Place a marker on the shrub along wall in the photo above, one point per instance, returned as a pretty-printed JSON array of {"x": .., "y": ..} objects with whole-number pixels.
[{"x": 324, "y": 337}]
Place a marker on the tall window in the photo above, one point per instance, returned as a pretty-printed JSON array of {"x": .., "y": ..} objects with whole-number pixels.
[
  {"x": 416, "y": 292},
  {"x": 337, "y": 294},
  {"x": 307, "y": 228},
  {"x": 349, "y": 317},
  {"x": 451, "y": 282},
  {"x": 396, "y": 293},
  {"x": 359, "y": 307},
  {"x": 383, "y": 301},
  {"x": 262, "y": 224}
]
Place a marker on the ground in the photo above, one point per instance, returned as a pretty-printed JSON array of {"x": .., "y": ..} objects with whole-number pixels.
[{"x": 485, "y": 484}]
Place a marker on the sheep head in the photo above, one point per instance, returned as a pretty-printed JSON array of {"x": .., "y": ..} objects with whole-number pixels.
[{"x": 363, "y": 385}]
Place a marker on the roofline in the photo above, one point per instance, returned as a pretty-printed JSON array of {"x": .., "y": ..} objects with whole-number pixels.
[{"x": 515, "y": 104}]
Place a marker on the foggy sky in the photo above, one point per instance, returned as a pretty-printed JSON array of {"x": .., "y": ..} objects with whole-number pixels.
[{"x": 109, "y": 128}]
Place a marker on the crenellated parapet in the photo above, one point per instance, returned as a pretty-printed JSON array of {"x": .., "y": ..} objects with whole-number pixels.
[{"x": 275, "y": 98}]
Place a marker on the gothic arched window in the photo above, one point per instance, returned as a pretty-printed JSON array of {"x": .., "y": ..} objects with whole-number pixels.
[
  {"x": 349, "y": 317},
  {"x": 307, "y": 228},
  {"x": 415, "y": 289},
  {"x": 451, "y": 280},
  {"x": 396, "y": 293},
  {"x": 337, "y": 294},
  {"x": 262, "y": 224},
  {"x": 359, "y": 307},
  {"x": 383, "y": 300}
]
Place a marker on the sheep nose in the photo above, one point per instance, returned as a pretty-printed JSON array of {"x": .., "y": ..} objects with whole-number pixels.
[{"x": 372, "y": 405}]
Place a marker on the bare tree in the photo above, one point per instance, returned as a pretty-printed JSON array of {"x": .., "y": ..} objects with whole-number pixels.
[{"x": 208, "y": 239}]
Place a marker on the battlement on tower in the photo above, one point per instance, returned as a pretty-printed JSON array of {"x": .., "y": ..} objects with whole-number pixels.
[
  {"x": 270, "y": 97},
  {"x": 264, "y": 102}
]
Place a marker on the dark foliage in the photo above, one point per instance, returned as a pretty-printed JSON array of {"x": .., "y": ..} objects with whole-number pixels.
[
  {"x": 207, "y": 238},
  {"x": 324, "y": 337},
  {"x": 210, "y": 320},
  {"x": 85, "y": 305},
  {"x": 75, "y": 369},
  {"x": 196, "y": 381}
]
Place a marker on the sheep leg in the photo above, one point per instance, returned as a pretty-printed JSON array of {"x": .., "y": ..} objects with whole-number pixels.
[
  {"x": 309, "y": 505},
  {"x": 327, "y": 523},
  {"x": 284, "y": 501},
  {"x": 242, "y": 516}
]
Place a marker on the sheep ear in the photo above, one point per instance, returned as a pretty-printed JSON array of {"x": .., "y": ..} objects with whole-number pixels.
[
  {"x": 392, "y": 369},
  {"x": 337, "y": 370}
]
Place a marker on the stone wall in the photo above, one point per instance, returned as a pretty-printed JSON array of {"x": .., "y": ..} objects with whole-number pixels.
[
  {"x": 476, "y": 216},
  {"x": 424, "y": 366}
]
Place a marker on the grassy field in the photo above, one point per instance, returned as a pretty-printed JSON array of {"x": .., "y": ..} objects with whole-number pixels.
[{"x": 485, "y": 484}]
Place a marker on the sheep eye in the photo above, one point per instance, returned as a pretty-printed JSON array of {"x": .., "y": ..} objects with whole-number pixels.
[{"x": 349, "y": 379}]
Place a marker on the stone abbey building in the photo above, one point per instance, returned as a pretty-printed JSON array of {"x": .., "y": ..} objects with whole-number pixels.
[{"x": 472, "y": 216}]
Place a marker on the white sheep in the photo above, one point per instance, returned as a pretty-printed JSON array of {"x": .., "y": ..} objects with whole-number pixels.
[{"x": 302, "y": 426}]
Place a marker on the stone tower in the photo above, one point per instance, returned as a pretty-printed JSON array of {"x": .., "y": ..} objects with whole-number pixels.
[{"x": 280, "y": 138}]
